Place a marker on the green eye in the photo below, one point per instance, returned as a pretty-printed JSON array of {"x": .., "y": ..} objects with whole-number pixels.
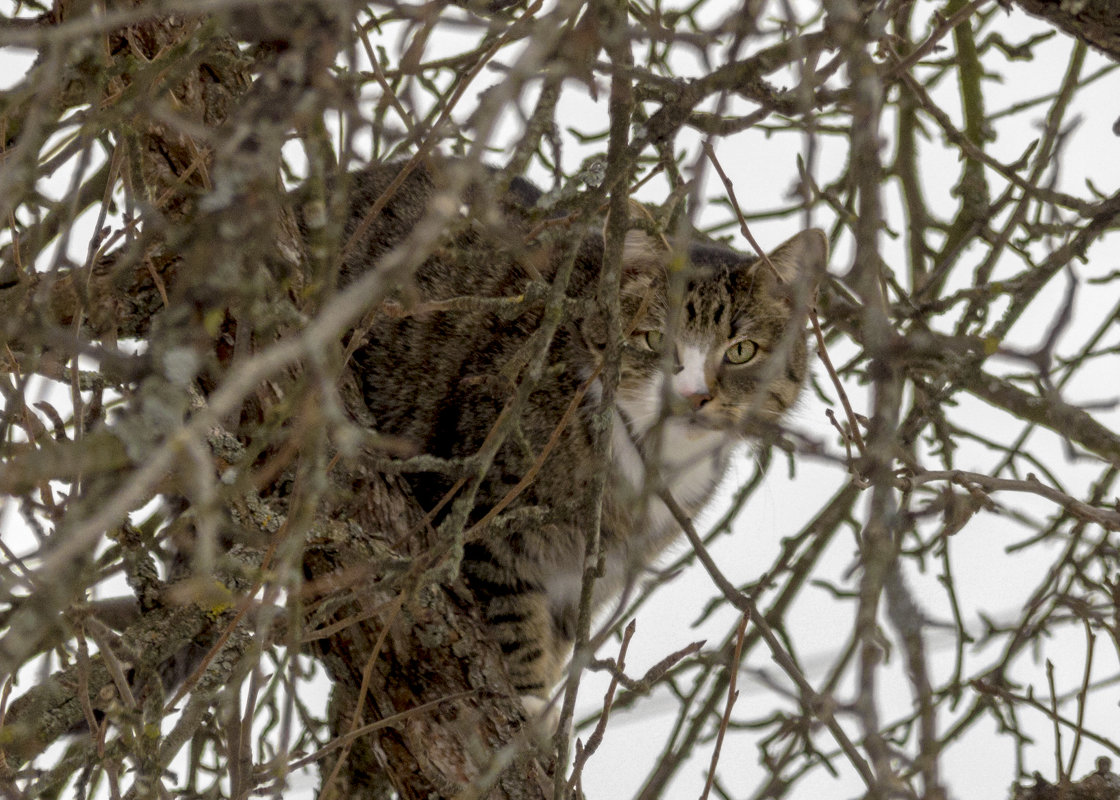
[
  {"x": 741, "y": 352},
  {"x": 654, "y": 339}
]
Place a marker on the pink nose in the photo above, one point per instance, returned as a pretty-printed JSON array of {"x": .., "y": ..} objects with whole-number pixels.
[{"x": 698, "y": 400}]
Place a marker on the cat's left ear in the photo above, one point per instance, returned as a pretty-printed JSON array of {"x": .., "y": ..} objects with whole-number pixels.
[
  {"x": 643, "y": 253},
  {"x": 802, "y": 259}
]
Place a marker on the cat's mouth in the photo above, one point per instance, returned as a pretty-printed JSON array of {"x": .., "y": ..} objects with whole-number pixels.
[{"x": 640, "y": 414}]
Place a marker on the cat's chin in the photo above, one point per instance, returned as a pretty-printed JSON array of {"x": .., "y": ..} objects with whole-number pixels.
[{"x": 696, "y": 426}]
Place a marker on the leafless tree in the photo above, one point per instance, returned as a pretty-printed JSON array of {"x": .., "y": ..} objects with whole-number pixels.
[{"x": 203, "y": 537}]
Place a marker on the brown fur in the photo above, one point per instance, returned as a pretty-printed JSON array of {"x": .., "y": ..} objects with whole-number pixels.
[{"x": 440, "y": 379}]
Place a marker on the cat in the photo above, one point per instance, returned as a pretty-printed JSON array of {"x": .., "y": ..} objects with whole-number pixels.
[{"x": 439, "y": 379}]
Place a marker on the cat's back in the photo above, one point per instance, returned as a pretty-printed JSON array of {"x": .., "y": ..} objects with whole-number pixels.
[
  {"x": 443, "y": 357},
  {"x": 477, "y": 236}
]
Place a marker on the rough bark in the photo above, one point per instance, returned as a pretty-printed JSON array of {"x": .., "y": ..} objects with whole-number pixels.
[
  {"x": 1096, "y": 22},
  {"x": 454, "y": 727},
  {"x": 410, "y": 653},
  {"x": 1102, "y": 784}
]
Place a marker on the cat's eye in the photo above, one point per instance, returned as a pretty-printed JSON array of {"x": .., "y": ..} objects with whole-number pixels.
[
  {"x": 654, "y": 340},
  {"x": 741, "y": 352}
]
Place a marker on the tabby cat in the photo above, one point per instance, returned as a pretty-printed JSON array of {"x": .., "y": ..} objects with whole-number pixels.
[{"x": 439, "y": 380}]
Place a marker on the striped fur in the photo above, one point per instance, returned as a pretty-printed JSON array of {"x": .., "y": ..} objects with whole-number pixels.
[{"x": 439, "y": 380}]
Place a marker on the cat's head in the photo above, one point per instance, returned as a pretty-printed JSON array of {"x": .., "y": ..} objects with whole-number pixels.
[{"x": 728, "y": 351}]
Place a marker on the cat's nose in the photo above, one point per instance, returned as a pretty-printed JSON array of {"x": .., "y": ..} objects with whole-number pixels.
[{"x": 698, "y": 400}]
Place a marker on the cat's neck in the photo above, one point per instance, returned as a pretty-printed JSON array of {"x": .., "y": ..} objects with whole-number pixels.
[{"x": 686, "y": 460}]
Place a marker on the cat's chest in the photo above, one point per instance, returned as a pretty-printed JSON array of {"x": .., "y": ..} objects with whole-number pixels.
[{"x": 691, "y": 463}]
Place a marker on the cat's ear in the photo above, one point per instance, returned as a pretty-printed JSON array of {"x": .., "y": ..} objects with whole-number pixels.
[
  {"x": 803, "y": 258},
  {"x": 642, "y": 252}
]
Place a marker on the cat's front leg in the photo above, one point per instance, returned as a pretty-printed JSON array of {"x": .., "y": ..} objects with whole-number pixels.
[{"x": 535, "y": 638}]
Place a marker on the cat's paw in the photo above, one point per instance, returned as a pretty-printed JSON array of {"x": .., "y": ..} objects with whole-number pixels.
[{"x": 541, "y": 714}]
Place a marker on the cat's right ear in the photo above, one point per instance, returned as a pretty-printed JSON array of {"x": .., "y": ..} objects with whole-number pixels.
[{"x": 802, "y": 258}]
